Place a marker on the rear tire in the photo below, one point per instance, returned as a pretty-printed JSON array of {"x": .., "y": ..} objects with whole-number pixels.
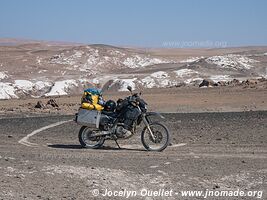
[
  {"x": 160, "y": 131},
  {"x": 86, "y": 141}
]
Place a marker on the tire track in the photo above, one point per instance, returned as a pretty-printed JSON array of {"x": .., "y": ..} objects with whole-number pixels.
[{"x": 24, "y": 140}]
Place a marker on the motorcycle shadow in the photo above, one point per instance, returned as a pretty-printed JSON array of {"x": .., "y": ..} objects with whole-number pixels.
[{"x": 104, "y": 148}]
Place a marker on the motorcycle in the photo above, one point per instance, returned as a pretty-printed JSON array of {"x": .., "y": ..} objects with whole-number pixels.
[{"x": 100, "y": 126}]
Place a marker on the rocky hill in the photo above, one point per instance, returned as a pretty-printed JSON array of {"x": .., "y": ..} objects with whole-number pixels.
[{"x": 43, "y": 69}]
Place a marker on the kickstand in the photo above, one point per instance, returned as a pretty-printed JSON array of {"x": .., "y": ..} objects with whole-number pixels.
[{"x": 117, "y": 144}]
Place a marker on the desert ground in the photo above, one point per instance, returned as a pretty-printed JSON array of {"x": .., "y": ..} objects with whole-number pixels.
[{"x": 209, "y": 151}]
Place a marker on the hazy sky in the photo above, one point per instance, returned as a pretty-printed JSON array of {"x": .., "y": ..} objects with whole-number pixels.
[{"x": 147, "y": 23}]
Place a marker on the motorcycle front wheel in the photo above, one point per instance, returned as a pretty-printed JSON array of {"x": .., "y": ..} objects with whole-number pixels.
[
  {"x": 161, "y": 137},
  {"x": 87, "y": 141}
]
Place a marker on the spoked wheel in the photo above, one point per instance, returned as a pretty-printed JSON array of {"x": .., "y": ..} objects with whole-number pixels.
[
  {"x": 87, "y": 141},
  {"x": 161, "y": 137}
]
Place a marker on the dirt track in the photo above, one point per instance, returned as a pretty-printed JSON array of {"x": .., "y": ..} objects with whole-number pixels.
[{"x": 214, "y": 151}]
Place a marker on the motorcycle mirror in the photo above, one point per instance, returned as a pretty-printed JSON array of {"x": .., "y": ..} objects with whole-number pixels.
[{"x": 129, "y": 88}]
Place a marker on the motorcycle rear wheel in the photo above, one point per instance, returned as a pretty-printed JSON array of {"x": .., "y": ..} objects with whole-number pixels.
[
  {"x": 162, "y": 137},
  {"x": 89, "y": 142}
]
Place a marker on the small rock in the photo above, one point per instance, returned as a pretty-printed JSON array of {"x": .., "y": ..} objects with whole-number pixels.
[
  {"x": 207, "y": 83},
  {"x": 234, "y": 82},
  {"x": 53, "y": 103},
  {"x": 10, "y": 136},
  {"x": 216, "y": 187},
  {"x": 39, "y": 105},
  {"x": 250, "y": 82},
  {"x": 221, "y": 83}
]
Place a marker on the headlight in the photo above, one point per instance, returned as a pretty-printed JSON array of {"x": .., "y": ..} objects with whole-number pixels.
[{"x": 146, "y": 107}]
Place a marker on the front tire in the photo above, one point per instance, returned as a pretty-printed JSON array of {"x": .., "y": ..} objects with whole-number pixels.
[
  {"x": 162, "y": 137},
  {"x": 89, "y": 142}
]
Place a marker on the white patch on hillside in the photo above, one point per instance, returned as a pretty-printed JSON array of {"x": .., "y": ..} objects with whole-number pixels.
[
  {"x": 62, "y": 87},
  {"x": 124, "y": 83},
  {"x": 23, "y": 85},
  {"x": 138, "y": 61},
  {"x": 101, "y": 80},
  {"x": 157, "y": 80},
  {"x": 148, "y": 82},
  {"x": 191, "y": 59},
  {"x": 32, "y": 88},
  {"x": 160, "y": 74},
  {"x": 3, "y": 75},
  {"x": 38, "y": 60},
  {"x": 191, "y": 81},
  {"x": 188, "y": 76},
  {"x": 7, "y": 91},
  {"x": 217, "y": 78},
  {"x": 67, "y": 60},
  {"x": 42, "y": 71},
  {"x": 78, "y": 54},
  {"x": 94, "y": 60},
  {"x": 42, "y": 86},
  {"x": 232, "y": 61},
  {"x": 116, "y": 53},
  {"x": 185, "y": 72},
  {"x": 93, "y": 57}
]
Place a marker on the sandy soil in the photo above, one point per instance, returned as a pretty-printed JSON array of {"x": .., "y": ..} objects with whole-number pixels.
[{"x": 169, "y": 100}]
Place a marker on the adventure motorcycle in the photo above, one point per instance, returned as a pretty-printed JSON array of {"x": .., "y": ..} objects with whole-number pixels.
[{"x": 98, "y": 126}]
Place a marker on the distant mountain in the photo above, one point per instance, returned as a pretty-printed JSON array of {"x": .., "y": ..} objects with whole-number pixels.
[{"x": 16, "y": 41}]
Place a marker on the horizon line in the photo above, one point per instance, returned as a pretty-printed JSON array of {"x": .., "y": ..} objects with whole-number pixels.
[{"x": 22, "y": 41}]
